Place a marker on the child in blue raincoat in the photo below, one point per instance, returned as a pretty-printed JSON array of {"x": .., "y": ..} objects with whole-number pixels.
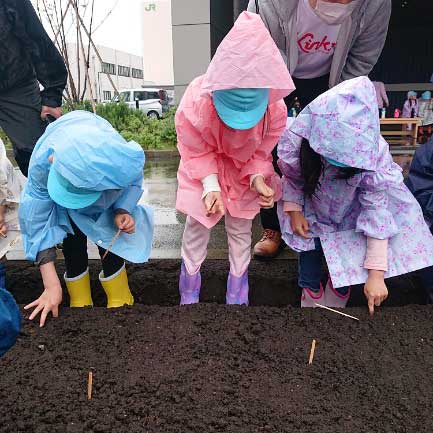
[{"x": 84, "y": 182}]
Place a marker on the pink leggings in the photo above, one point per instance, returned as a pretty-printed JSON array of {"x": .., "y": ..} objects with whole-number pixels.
[{"x": 196, "y": 238}]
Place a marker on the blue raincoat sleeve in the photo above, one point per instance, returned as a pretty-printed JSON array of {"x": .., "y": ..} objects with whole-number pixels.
[
  {"x": 130, "y": 196},
  {"x": 420, "y": 180},
  {"x": 43, "y": 223},
  {"x": 375, "y": 220}
]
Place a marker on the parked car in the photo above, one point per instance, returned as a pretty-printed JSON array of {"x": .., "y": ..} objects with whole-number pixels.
[{"x": 153, "y": 102}]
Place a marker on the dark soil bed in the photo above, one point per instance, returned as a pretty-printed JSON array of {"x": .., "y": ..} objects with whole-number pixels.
[
  {"x": 212, "y": 368},
  {"x": 156, "y": 283},
  {"x": 159, "y": 368}
]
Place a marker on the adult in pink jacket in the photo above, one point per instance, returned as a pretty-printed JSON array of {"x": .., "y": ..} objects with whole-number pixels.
[{"x": 228, "y": 122}]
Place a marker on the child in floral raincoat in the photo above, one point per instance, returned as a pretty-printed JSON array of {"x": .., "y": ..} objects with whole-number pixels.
[
  {"x": 344, "y": 198},
  {"x": 228, "y": 122}
]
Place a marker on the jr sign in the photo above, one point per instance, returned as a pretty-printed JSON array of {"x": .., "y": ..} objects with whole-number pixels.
[{"x": 150, "y": 7}]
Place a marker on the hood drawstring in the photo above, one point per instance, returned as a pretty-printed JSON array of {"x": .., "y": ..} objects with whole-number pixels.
[{"x": 257, "y": 7}]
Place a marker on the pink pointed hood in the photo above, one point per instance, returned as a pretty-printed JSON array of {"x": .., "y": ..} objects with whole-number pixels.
[{"x": 248, "y": 58}]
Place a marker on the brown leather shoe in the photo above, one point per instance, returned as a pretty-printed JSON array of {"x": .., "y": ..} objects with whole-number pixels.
[{"x": 269, "y": 246}]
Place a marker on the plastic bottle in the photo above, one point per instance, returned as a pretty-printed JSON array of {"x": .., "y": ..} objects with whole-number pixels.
[{"x": 383, "y": 113}]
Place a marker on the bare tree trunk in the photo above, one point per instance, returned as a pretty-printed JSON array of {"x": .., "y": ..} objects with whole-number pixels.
[
  {"x": 83, "y": 25},
  {"x": 87, "y": 58},
  {"x": 83, "y": 53},
  {"x": 78, "y": 48}
]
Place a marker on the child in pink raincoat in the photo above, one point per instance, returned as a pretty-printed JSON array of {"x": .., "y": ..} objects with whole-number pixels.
[
  {"x": 228, "y": 122},
  {"x": 344, "y": 198}
]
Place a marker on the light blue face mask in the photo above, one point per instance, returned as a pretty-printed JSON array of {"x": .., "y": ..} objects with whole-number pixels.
[
  {"x": 241, "y": 108},
  {"x": 336, "y": 163}
]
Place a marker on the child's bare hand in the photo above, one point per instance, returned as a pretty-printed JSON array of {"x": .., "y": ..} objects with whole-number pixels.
[
  {"x": 47, "y": 303},
  {"x": 299, "y": 224},
  {"x": 214, "y": 204},
  {"x": 3, "y": 230},
  {"x": 125, "y": 223},
  {"x": 266, "y": 193},
  {"x": 375, "y": 290},
  {"x": 3, "y": 226}
]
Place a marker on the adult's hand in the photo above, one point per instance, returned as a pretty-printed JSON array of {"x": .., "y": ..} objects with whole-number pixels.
[{"x": 56, "y": 112}]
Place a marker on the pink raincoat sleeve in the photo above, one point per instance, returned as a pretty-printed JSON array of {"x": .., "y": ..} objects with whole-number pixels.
[
  {"x": 261, "y": 161},
  {"x": 289, "y": 162},
  {"x": 198, "y": 156},
  {"x": 375, "y": 220}
]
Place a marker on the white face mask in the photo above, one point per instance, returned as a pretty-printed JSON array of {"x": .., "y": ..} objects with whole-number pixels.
[{"x": 334, "y": 13}]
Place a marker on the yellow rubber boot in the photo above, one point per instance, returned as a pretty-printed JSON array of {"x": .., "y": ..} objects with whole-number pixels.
[
  {"x": 116, "y": 288},
  {"x": 79, "y": 290}
]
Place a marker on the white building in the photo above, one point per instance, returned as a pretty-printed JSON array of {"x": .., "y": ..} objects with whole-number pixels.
[
  {"x": 125, "y": 69},
  {"x": 181, "y": 36},
  {"x": 158, "y": 43}
]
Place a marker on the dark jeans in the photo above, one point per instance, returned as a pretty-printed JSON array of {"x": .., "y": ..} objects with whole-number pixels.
[
  {"x": 77, "y": 260},
  {"x": 311, "y": 272},
  {"x": 306, "y": 91},
  {"x": 20, "y": 118}
]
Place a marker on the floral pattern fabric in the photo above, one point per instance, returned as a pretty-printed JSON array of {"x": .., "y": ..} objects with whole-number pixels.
[{"x": 343, "y": 213}]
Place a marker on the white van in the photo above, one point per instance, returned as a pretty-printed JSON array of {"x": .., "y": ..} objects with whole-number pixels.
[{"x": 153, "y": 102}]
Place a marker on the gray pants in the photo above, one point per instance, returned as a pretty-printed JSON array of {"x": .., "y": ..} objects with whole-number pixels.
[{"x": 20, "y": 118}]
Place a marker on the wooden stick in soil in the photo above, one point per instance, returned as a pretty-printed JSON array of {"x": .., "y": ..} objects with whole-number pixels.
[
  {"x": 337, "y": 312},
  {"x": 112, "y": 243},
  {"x": 313, "y": 349},
  {"x": 90, "y": 385}
]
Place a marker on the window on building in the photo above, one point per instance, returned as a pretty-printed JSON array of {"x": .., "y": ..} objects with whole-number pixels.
[
  {"x": 124, "y": 71},
  {"x": 137, "y": 73},
  {"x": 108, "y": 68},
  {"x": 106, "y": 95}
]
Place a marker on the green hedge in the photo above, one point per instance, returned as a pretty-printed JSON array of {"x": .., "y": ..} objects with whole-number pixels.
[
  {"x": 135, "y": 125},
  {"x": 132, "y": 125}
]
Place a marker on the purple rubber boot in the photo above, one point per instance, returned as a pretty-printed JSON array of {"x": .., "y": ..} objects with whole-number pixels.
[
  {"x": 189, "y": 286},
  {"x": 237, "y": 290}
]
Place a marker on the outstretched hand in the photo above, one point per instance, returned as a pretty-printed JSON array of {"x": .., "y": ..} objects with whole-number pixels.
[
  {"x": 375, "y": 290},
  {"x": 51, "y": 298}
]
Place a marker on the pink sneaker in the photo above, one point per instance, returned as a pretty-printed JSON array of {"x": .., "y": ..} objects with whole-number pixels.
[
  {"x": 333, "y": 299},
  {"x": 309, "y": 298}
]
